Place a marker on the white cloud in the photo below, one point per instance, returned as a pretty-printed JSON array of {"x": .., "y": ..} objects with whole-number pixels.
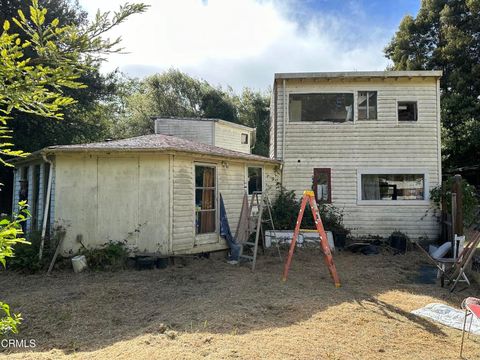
[{"x": 240, "y": 42}]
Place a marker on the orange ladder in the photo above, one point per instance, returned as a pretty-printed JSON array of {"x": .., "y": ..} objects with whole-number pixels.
[{"x": 309, "y": 196}]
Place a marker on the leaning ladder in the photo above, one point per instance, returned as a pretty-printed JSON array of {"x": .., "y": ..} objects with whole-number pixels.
[
  {"x": 309, "y": 196},
  {"x": 257, "y": 220}
]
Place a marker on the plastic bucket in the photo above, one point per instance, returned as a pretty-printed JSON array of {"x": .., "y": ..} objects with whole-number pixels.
[{"x": 79, "y": 263}]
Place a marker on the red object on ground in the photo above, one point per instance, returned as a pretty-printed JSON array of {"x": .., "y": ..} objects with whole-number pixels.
[{"x": 474, "y": 309}]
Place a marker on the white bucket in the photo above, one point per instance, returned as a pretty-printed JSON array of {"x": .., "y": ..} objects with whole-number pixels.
[{"x": 79, "y": 263}]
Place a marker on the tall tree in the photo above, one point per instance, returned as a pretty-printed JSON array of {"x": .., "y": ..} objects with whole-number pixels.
[
  {"x": 445, "y": 35},
  {"x": 36, "y": 84},
  {"x": 174, "y": 93}
]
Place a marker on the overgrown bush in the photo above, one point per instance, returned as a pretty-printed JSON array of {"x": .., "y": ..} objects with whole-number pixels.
[
  {"x": 285, "y": 210},
  {"x": 110, "y": 256},
  {"x": 470, "y": 201},
  {"x": 26, "y": 255}
]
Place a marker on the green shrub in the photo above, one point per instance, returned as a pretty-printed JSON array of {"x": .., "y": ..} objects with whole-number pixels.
[
  {"x": 26, "y": 255},
  {"x": 285, "y": 210},
  {"x": 470, "y": 201},
  {"x": 110, "y": 256}
]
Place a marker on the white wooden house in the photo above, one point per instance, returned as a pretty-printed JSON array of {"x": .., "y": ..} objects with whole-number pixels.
[
  {"x": 217, "y": 132},
  {"x": 159, "y": 193},
  {"x": 367, "y": 142}
]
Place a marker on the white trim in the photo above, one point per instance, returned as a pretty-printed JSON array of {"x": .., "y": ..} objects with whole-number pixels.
[
  {"x": 426, "y": 186},
  {"x": 439, "y": 134}
]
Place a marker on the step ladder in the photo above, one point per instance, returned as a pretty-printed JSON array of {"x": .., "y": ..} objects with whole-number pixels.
[
  {"x": 309, "y": 196},
  {"x": 259, "y": 201}
]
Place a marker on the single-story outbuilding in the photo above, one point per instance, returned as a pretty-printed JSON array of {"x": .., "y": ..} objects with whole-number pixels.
[{"x": 158, "y": 193}]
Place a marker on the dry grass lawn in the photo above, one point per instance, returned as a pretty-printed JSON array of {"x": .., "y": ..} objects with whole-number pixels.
[{"x": 217, "y": 311}]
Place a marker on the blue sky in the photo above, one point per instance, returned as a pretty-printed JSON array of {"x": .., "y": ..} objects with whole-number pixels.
[{"x": 243, "y": 42}]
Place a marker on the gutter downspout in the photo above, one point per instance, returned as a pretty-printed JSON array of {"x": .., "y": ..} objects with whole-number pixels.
[
  {"x": 47, "y": 205},
  {"x": 284, "y": 121}
]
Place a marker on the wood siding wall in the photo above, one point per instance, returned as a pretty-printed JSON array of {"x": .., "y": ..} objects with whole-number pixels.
[
  {"x": 147, "y": 200},
  {"x": 349, "y": 147},
  {"x": 193, "y": 130},
  {"x": 113, "y": 197},
  {"x": 229, "y": 137}
]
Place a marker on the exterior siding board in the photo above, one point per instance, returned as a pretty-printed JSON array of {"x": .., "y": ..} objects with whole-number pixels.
[
  {"x": 381, "y": 143},
  {"x": 229, "y": 137},
  {"x": 193, "y": 130}
]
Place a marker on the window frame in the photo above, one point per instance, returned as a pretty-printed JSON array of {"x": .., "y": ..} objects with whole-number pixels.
[
  {"x": 394, "y": 171},
  {"x": 416, "y": 111},
  {"x": 205, "y": 236},
  {"x": 328, "y": 172},
  {"x": 368, "y": 109},
  {"x": 241, "y": 139},
  {"x": 246, "y": 177},
  {"x": 313, "y": 92}
]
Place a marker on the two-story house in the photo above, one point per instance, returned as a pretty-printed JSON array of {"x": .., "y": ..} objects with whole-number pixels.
[{"x": 367, "y": 142}]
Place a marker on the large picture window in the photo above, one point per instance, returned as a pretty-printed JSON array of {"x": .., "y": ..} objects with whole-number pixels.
[
  {"x": 335, "y": 107},
  {"x": 205, "y": 199},
  {"x": 392, "y": 187}
]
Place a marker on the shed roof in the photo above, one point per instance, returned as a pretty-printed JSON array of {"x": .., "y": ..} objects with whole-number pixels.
[
  {"x": 157, "y": 142},
  {"x": 359, "y": 74}
]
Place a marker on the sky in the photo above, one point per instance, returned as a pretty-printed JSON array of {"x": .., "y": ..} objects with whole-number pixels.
[{"x": 242, "y": 43}]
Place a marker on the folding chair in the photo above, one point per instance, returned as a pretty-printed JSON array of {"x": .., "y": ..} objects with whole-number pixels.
[
  {"x": 453, "y": 270},
  {"x": 456, "y": 272},
  {"x": 471, "y": 306}
]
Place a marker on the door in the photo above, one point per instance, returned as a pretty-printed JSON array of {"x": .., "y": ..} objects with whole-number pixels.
[{"x": 206, "y": 204}]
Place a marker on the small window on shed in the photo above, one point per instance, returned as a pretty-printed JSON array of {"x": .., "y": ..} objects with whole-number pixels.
[
  {"x": 407, "y": 111},
  {"x": 244, "y": 138},
  {"x": 255, "y": 179}
]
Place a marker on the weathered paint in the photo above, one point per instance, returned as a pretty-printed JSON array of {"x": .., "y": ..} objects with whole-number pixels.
[
  {"x": 348, "y": 148},
  {"x": 215, "y": 132},
  {"x": 145, "y": 199},
  {"x": 229, "y": 137},
  {"x": 113, "y": 197}
]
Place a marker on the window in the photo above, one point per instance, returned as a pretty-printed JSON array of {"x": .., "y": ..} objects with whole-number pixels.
[
  {"x": 205, "y": 199},
  {"x": 336, "y": 107},
  {"x": 322, "y": 185},
  {"x": 367, "y": 105},
  {"x": 388, "y": 187},
  {"x": 255, "y": 179},
  {"x": 244, "y": 138},
  {"x": 407, "y": 111}
]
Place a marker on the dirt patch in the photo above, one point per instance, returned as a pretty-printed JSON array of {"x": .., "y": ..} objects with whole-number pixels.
[{"x": 209, "y": 309}]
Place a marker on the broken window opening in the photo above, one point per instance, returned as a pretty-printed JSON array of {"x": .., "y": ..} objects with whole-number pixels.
[
  {"x": 329, "y": 107},
  {"x": 407, "y": 111}
]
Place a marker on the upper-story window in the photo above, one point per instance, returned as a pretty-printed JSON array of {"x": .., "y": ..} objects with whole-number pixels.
[
  {"x": 407, "y": 111},
  {"x": 244, "y": 139},
  {"x": 367, "y": 105},
  {"x": 334, "y": 107}
]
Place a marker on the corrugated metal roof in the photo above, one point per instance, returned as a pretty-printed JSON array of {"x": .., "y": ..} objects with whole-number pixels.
[{"x": 158, "y": 142}]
